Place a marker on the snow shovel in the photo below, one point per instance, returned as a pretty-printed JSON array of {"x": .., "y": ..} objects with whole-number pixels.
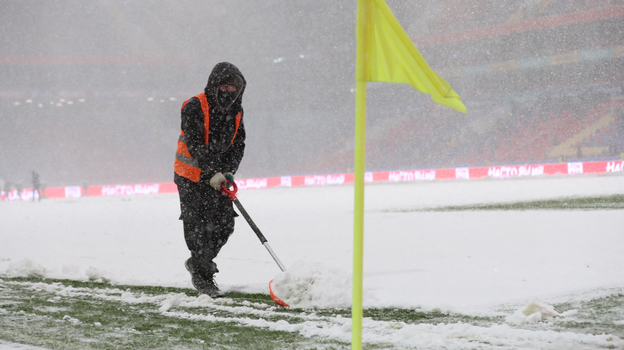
[{"x": 232, "y": 195}]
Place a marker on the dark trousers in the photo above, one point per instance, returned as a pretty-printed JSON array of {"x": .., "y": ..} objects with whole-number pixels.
[
  {"x": 208, "y": 218},
  {"x": 205, "y": 240}
]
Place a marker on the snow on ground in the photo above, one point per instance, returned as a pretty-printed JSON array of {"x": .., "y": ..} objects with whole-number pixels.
[
  {"x": 305, "y": 285},
  {"x": 13, "y": 346},
  {"x": 459, "y": 261},
  {"x": 456, "y": 335}
]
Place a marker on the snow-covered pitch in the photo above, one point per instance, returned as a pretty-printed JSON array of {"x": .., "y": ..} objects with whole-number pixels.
[{"x": 467, "y": 261}]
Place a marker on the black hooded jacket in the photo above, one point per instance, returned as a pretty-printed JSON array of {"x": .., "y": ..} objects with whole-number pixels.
[{"x": 219, "y": 155}]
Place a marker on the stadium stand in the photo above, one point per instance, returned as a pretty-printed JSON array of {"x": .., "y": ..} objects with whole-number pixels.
[
  {"x": 543, "y": 82},
  {"x": 95, "y": 97}
]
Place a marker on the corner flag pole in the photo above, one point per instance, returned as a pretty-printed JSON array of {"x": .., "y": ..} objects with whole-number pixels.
[
  {"x": 363, "y": 21},
  {"x": 385, "y": 53}
]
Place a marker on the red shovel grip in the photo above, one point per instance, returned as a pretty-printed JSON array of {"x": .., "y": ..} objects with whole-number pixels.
[{"x": 230, "y": 193}]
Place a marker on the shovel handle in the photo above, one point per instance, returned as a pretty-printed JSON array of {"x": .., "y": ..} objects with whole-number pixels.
[{"x": 232, "y": 195}]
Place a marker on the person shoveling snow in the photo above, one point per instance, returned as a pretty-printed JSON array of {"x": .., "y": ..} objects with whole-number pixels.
[{"x": 210, "y": 149}]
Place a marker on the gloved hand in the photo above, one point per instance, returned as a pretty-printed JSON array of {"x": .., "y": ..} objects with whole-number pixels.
[
  {"x": 230, "y": 177},
  {"x": 217, "y": 180}
]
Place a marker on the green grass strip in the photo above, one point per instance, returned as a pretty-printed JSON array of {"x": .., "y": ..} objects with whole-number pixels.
[
  {"x": 613, "y": 202},
  {"x": 66, "y": 314},
  {"x": 85, "y": 315}
]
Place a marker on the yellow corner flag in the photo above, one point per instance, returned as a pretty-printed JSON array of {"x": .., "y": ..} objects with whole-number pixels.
[
  {"x": 384, "y": 53},
  {"x": 393, "y": 58}
]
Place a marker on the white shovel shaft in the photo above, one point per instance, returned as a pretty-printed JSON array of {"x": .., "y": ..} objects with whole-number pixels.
[{"x": 277, "y": 260}]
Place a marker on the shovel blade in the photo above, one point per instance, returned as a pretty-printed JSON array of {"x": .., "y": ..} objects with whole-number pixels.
[{"x": 277, "y": 300}]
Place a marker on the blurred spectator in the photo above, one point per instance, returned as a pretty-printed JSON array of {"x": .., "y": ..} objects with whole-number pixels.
[
  {"x": 7, "y": 190},
  {"x": 35, "y": 182},
  {"x": 18, "y": 187},
  {"x": 85, "y": 186},
  {"x": 579, "y": 152}
]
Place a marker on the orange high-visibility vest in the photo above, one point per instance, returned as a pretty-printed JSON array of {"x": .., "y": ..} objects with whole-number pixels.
[{"x": 185, "y": 165}]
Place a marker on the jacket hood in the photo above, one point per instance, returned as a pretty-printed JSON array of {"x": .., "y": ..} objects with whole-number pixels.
[{"x": 225, "y": 73}]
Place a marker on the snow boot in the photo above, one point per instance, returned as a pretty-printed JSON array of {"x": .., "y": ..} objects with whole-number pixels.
[{"x": 203, "y": 286}]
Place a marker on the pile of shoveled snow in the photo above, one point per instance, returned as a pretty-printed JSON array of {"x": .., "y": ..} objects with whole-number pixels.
[
  {"x": 29, "y": 268},
  {"x": 306, "y": 285},
  {"x": 14, "y": 346},
  {"x": 26, "y": 268},
  {"x": 535, "y": 312}
]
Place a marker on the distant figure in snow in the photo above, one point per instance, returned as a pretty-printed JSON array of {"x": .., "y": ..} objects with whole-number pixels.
[
  {"x": 19, "y": 187},
  {"x": 36, "y": 185},
  {"x": 210, "y": 149},
  {"x": 579, "y": 152},
  {"x": 85, "y": 187},
  {"x": 7, "y": 190}
]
